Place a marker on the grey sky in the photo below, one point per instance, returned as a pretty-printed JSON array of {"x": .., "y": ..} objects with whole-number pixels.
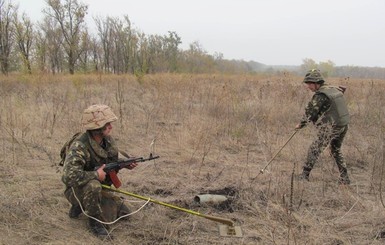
[{"x": 273, "y": 32}]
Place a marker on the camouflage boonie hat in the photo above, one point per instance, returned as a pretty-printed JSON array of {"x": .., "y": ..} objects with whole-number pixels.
[
  {"x": 96, "y": 116},
  {"x": 313, "y": 76}
]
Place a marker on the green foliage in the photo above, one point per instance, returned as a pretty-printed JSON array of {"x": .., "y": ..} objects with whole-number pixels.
[
  {"x": 308, "y": 64},
  {"x": 327, "y": 68}
]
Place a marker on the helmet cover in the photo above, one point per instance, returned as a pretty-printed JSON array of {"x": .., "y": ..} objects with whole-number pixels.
[{"x": 96, "y": 116}]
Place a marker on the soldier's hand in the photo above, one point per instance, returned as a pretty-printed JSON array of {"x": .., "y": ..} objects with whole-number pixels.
[
  {"x": 101, "y": 173},
  {"x": 132, "y": 165},
  {"x": 300, "y": 125}
]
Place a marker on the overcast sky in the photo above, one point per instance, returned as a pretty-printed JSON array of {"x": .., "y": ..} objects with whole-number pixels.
[{"x": 273, "y": 32}]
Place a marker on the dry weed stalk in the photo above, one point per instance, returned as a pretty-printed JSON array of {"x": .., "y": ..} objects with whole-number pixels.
[
  {"x": 383, "y": 163},
  {"x": 119, "y": 96}
]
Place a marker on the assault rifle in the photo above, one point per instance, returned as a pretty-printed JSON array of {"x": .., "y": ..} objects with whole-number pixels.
[{"x": 112, "y": 168}]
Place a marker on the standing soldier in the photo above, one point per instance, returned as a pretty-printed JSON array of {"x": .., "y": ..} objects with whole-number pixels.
[
  {"x": 83, "y": 173},
  {"x": 328, "y": 111}
]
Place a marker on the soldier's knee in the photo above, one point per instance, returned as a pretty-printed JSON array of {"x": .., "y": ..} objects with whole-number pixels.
[{"x": 93, "y": 186}]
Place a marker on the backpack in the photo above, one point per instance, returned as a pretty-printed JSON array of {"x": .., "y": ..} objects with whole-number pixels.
[{"x": 65, "y": 148}]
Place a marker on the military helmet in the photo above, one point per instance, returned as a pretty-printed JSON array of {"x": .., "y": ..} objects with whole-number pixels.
[
  {"x": 313, "y": 76},
  {"x": 96, "y": 116}
]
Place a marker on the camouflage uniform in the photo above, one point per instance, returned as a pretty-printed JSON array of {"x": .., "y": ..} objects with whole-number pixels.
[
  {"x": 328, "y": 112},
  {"x": 83, "y": 157}
]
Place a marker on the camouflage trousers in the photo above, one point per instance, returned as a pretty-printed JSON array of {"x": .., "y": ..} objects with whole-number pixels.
[
  {"x": 96, "y": 202},
  {"x": 325, "y": 136}
]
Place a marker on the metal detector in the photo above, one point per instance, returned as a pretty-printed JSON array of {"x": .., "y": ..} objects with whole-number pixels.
[
  {"x": 227, "y": 229},
  {"x": 275, "y": 155}
]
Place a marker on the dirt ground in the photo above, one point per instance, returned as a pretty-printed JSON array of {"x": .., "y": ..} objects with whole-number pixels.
[{"x": 272, "y": 207}]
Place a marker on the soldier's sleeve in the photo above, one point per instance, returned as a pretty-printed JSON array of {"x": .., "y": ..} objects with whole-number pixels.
[
  {"x": 318, "y": 105},
  {"x": 73, "y": 172}
]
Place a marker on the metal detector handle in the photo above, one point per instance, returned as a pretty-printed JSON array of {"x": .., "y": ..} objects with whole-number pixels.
[{"x": 275, "y": 155}]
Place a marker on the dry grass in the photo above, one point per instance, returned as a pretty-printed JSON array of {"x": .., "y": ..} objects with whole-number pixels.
[{"x": 212, "y": 132}]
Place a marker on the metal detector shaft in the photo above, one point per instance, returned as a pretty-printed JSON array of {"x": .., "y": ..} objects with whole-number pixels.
[
  {"x": 210, "y": 217},
  {"x": 287, "y": 141}
]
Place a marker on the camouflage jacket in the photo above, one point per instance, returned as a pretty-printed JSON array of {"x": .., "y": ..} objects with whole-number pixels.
[
  {"x": 83, "y": 156},
  {"x": 317, "y": 107}
]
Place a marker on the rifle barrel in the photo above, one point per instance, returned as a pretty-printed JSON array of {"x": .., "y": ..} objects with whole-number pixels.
[{"x": 119, "y": 164}]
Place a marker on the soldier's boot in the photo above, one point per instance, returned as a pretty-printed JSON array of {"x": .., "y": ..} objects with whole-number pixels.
[
  {"x": 97, "y": 228},
  {"x": 305, "y": 174},
  {"x": 75, "y": 211},
  {"x": 344, "y": 177}
]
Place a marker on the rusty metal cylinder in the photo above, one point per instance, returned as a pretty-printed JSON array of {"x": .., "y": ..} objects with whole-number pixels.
[{"x": 210, "y": 198}]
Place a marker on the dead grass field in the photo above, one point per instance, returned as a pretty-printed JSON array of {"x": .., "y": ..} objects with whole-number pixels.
[{"x": 213, "y": 132}]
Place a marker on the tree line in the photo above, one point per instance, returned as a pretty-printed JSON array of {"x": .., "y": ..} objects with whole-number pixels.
[{"x": 62, "y": 43}]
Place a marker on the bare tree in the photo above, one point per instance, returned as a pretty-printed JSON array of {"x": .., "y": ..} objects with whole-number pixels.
[
  {"x": 172, "y": 42},
  {"x": 7, "y": 10},
  {"x": 119, "y": 42},
  {"x": 129, "y": 38},
  {"x": 96, "y": 54},
  {"x": 117, "y": 45},
  {"x": 24, "y": 38},
  {"x": 41, "y": 50},
  {"x": 70, "y": 17},
  {"x": 104, "y": 33},
  {"x": 49, "y": 45},
  {"x": 87, "y": 56}
]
